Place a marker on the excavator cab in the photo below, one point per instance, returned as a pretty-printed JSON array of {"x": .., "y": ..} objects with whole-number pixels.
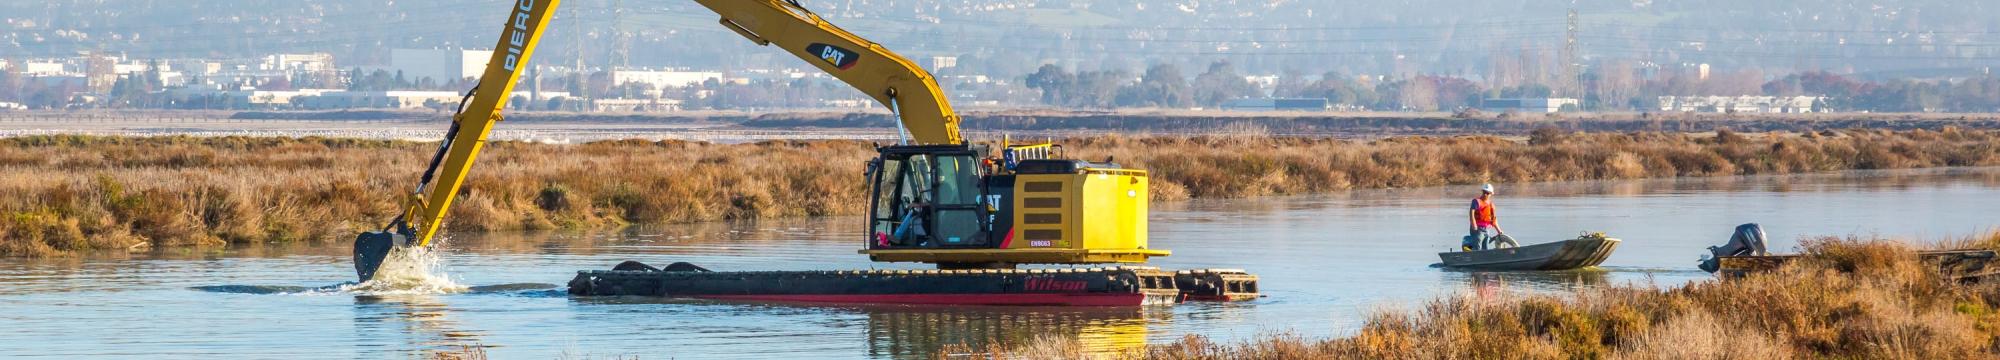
[
  {"x": 954, "y": 206},
  {"x": 929, "y": 197}
]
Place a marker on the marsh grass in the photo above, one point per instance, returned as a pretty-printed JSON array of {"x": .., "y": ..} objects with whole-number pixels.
[
  {"x": 1248, "y": 166},
  {"x": 72, "y": 193},
  {"x": 1851, "y": 298}
]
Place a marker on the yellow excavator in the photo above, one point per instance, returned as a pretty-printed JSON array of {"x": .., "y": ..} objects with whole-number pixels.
[{"x": 935, "y": 198}]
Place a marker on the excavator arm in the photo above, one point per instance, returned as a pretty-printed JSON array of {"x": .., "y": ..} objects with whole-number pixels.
[
  {"x": 475, "y": 121},
  {"x": 892, "y": 80},
  {"x": 424, "y": 210}
]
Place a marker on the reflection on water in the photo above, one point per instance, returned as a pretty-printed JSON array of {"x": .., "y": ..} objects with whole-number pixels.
[
  {"x": 412, "y": 321},
  {"x": 1325, "y": 262},
  {"x": 1538, "y": 280},
  {"x": 922, "y": 332}
]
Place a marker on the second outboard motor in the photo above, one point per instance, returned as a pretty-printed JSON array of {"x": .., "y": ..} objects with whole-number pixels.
[{"x": 1747, "y": 241}]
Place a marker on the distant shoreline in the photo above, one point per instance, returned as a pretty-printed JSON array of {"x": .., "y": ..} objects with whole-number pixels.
[{"x": 734, "y": 126}]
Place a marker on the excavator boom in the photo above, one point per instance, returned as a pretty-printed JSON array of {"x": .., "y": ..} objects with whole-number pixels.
[
  {"x": 425, "y": 208},
  {"x": 892, "y": 80},
  {"x": 496, "y": 85},
  {"x": 921, "y": 108}
]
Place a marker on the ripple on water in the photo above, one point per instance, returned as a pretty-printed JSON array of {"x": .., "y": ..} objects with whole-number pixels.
[{"x": 406, "y": 271}]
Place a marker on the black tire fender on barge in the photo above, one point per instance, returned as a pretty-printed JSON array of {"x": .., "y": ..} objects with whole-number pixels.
[{"x": 1109, "y": 286}]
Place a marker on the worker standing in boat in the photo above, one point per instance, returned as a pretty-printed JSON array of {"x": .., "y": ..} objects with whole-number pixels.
[{"x": 1485, "y": 225}]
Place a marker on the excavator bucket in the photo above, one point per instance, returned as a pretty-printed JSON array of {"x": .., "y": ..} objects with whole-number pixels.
[{"x": 370, "y": 249}]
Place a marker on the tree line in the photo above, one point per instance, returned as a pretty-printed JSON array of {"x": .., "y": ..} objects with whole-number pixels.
[
  {"x": 1607, "y": 86},
  {"x": 1610, "y": 89}
]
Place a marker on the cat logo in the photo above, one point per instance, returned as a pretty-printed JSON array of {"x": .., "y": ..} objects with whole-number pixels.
[{"x": 840, "y": 58}]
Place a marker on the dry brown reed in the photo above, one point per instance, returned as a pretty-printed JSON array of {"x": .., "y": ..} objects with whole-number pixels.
[
  {"x": 1241, "y": 166},
  {"x": 71, "y": 193},
  {"x": 1850, "y": 299}
]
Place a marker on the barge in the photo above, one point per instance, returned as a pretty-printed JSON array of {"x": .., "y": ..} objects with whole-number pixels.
[{"x": 1103, "y": 286}]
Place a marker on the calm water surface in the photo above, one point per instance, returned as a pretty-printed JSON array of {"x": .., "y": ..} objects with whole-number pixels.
[{"x": 1326, "y": 262}]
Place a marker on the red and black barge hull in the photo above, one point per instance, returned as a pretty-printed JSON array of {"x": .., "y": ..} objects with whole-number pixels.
[{"x": 1114, "y": 286}]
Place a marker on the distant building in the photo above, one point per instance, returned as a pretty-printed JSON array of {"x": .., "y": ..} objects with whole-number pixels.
[
  {"x": 299, "y": 62},
  {"x": 847, "y": 104},
  {"x": 44, "y": 69},
  {"x": 270, "y": 98},
  {"x": 247, "y": 99},
  {"x": 439, "y": 65},
  {"x": 129, "y": 69},
  {"x": 528, "y": 95},
  {"x": 969, "y": 79},
  {"x": 1529, "y": 105},
  {"x": 943, "y": 62},
  {"x": 378, "y": 99},
  {"x": 635, "y": 105},
  {"x": 195, "y": 66},
  {"x": 1743, "y": 104},
  {"x": 1263, "y": 81},
  {"x": 1277, "y": 105},
  {"x": 663, "y": 79}
]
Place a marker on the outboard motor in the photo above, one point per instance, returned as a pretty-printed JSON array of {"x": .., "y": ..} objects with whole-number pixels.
[{"x": 1747, "y": 241}]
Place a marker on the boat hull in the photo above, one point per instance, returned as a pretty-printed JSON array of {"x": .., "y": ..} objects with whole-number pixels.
[{"x": 1561, "y": 255}]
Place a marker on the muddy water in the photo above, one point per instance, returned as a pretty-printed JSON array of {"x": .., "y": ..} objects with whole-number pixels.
[{"x": 1326, "y": 261}]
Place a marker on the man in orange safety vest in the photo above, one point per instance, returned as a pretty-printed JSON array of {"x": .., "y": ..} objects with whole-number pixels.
[{"x": 1485, "y": 225}]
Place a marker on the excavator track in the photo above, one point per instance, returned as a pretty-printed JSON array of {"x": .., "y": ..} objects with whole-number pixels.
[
  {"x": 1107, "y": 286},
  {"x": 1225, "y": 285}
]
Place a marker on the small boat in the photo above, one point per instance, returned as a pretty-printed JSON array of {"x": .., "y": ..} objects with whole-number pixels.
[{"x": 1582, "y": 252}]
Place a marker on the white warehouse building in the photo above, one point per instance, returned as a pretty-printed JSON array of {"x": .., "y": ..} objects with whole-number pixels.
[
  {"x": 441, "y": 65},
  {"x": 663, "y": 79}
]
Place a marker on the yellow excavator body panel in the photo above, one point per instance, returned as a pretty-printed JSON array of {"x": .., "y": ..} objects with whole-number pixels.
[{"x": 1094, "y": 216}]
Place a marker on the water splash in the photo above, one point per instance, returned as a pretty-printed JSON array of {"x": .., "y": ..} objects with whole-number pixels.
[{"x": 408, "y": 271}]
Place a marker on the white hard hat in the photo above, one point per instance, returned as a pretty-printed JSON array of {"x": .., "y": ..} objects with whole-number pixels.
[{"x": 1488, "y": 188}]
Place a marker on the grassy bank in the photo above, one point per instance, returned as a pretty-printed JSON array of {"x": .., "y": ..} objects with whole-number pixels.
[
  {"x": 69, "y": 193},
  {"x": 1245, "y": 166},
  {"x": 1851, "y": 299},
  {"x": 77, "y": 193}
]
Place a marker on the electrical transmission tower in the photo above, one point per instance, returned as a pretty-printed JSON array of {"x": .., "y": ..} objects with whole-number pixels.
[
  {"x": 621, "y": 47},
  {"x": 577, "y": 38},
  {"x": 1570, "y": 63}
]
